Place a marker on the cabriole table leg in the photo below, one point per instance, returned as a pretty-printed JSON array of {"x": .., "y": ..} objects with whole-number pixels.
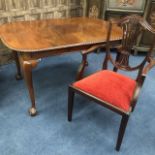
[
  {"x": 27, "y": 69},
  {"x": 16, "y": 58}
]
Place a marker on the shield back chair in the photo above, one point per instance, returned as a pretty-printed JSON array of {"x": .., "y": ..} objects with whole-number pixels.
[{"x": 111, "y": 89}]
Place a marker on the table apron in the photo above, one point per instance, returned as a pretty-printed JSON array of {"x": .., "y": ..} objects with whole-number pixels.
[{"x": 42, "y": 54}]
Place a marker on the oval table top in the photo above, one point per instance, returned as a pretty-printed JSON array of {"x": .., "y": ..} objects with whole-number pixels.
[{"x": 41, "y": 35}]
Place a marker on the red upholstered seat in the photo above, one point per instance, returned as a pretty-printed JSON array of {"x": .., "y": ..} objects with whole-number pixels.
[{"x": 110, "y": 87}]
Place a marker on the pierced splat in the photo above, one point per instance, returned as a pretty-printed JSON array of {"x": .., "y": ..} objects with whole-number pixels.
[
  {"x": 132, "y": 27},
  {"x": 123, "y": 60},
  {"x": 131, "y": 30}
]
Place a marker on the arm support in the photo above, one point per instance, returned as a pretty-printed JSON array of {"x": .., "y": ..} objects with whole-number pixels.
[{"x": 84, "y": 62}]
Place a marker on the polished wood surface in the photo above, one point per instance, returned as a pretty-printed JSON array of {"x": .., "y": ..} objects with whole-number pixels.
[
  {"x": 32, "y": 40},
  {"x": 41, "y": 35}
]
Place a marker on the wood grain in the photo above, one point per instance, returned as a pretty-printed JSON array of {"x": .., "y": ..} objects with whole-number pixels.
[
  {"x": 41, "y": 35},
  {"x": 23, "y": 10}
]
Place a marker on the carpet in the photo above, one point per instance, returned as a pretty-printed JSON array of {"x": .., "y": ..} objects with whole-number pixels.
[{"x": 93, "y": 130}]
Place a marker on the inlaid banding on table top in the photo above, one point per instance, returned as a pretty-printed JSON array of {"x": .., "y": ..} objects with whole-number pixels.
[{"x": 41, "y": 35}]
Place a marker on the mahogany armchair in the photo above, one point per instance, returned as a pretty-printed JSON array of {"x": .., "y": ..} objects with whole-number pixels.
[{"x": 111, "y": 89}]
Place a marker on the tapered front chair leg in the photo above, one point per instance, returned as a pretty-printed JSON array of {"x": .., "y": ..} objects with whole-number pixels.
[
  {"x": 122, "y": 128},
  {"x": 70, "y": 103}
]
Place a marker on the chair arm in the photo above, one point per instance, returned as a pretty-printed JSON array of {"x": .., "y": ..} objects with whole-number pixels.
[
  {"x": 84, "y": 62},
  {"x": 135, "y": 96},
  {"x": 92, "y": 49},
  {"x": 148, "y": 67}
]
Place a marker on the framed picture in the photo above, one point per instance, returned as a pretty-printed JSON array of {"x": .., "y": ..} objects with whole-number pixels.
[{"x": 126, "y": 5}]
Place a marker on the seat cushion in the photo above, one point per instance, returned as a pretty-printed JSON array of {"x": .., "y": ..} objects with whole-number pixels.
[{"x": 109, "y": 86}]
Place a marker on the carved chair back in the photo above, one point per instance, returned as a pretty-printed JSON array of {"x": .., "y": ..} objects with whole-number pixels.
[{"x": 132, "y": 27}]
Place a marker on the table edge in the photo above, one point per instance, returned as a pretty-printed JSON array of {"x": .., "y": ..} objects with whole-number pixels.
[{"x": 57, "y": 47}]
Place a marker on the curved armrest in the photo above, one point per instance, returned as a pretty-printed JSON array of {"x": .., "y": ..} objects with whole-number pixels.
[
  {"x": 92, "y": 49},
  {"x": 135, "y": 96},
  {"x": 84, "y": 62},
  {"x": 148, "y": 67}
]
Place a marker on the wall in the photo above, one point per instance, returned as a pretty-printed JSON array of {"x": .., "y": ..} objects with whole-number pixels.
[
  {"x": 19, "y": 10},
  {"x": 95, "y": 8}
]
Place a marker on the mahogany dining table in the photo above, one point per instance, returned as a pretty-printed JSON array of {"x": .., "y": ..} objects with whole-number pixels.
[{"x": 32, "y": 40}]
